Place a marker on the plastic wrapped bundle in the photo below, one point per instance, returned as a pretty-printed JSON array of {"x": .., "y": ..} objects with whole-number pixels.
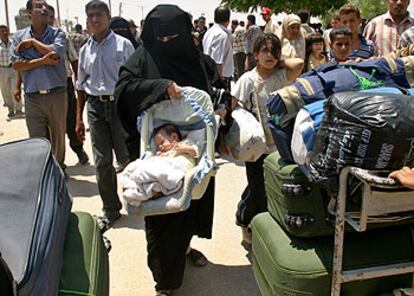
[{"x": 366, "y": 130}]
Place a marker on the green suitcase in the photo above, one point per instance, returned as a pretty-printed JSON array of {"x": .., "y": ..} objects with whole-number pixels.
[
  {"x": 85, "y": 268},
  {"x": 287, "y": 265},
  {"x": 298, "y": 205}
]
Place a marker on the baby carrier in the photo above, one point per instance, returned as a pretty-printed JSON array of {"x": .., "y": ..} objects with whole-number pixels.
[{"x": 192, "y": 113}]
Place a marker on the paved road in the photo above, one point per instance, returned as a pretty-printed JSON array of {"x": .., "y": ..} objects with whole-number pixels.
[{"x": 229, "y": 272}]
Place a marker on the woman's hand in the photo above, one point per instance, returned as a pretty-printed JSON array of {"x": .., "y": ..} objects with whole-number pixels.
[
  {"x": 405, "y": 176},
  {"x": 173, "y": 91}
]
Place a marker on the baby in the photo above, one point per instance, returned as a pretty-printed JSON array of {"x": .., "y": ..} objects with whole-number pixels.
[{"x": 163, "y": 173}]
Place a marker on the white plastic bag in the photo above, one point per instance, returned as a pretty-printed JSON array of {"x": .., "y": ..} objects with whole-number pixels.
[{"x": 245, "y": 140}]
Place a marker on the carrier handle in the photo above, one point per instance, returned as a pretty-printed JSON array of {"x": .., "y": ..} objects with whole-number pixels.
[{"x": 372, "y": 179}]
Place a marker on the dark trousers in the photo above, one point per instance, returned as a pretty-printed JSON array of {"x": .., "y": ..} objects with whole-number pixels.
[
  {"x": 168, "y": 237},
  {"x": 75, "y": 144},
  {"x": 107, "y": 135},
  {"x": 251, "y": 62},
  {"x": 239, "y": 64},
  {"x": 253, "y": 200}
]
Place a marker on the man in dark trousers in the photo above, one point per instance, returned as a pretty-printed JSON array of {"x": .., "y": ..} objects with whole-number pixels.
[{"x": 99, "y": 61}]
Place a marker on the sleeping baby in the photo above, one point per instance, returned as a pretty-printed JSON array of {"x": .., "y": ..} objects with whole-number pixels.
[{"x": 163, "y": 173}]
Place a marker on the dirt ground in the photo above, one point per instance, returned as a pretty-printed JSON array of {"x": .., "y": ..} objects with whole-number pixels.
[{"x": 229, "y": 272}]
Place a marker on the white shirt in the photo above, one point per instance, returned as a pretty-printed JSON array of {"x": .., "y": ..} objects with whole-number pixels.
[
  {"x": 218, "y": 44},
  {"x": 271, "y": 27},
  {"x": 245, "y": 91}
]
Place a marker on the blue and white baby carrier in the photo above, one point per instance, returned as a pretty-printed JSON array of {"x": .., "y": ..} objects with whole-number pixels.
[{"x": 194, "y": 113}]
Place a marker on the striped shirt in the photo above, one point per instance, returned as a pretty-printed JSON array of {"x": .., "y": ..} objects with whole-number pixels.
[
  {"x": 407, "y": 38},
  {"x": 385, "y": 33},
  {"x": 4, "y": 54}
]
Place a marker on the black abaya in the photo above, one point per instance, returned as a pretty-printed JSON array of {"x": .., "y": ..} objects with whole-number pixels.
[{"x": 143, "y": 81}]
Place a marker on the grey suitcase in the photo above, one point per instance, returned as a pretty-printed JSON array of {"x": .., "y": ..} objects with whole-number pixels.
[{"x": 34, "y": 211}]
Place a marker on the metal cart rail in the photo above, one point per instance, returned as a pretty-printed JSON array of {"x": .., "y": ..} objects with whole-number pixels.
[{"x": 383, "y": 200}]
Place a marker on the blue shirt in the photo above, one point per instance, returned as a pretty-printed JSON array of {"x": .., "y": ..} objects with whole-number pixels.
[
  {"x": 47, "y": 76},
  {"x": 366, "y": 50},
  {"x": 99, "y": 64}
]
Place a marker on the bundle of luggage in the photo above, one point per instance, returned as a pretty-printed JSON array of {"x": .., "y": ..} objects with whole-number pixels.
[
  {"x": 45, "y": 249},
  {"x": 335, "y": 116}
]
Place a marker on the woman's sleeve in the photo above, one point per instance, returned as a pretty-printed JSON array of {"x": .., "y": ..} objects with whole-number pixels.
[{"x": 135, "y": 93}]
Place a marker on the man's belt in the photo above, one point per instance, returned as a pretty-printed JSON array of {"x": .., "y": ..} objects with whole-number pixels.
[
  {"x": 103, "y": 98},
  {"x": 47, "y": 91}
]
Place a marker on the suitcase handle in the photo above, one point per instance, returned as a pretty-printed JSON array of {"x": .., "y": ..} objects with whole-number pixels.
[{"x": 295, "y": 189}]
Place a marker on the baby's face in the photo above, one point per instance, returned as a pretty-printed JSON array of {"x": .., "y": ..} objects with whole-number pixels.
[{"x": 164, "y": 142}]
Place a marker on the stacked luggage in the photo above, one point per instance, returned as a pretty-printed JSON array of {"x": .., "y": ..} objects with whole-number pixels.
[
  {"x": 45, "y": 250},
  {"x": 293, "y": 242}
]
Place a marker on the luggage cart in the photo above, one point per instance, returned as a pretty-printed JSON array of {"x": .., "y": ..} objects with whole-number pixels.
[{"x": 383, "y": 200}]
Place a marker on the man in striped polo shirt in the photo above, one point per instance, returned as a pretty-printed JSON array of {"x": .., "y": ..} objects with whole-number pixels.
[
  {"x": 385, "y": 30},
  {"x": 361, "y": 48}
]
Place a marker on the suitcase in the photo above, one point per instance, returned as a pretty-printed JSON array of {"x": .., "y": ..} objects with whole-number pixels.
[
  {"x": 298, "y": 205},
  {"x": 85, "y": 268},
  {"x": 287, "y": 265},
  {"x": 34, "y": 210}
]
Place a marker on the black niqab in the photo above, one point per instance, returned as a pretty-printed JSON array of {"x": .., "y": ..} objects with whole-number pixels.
[
  {"x": 177, "y": 59},
  {"x": 120, "y": 26}
]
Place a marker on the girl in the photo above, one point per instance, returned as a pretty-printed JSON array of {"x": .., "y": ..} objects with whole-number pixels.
[
  {"x": 252, "y": 91},
  {"x": 315, "y": 55}
]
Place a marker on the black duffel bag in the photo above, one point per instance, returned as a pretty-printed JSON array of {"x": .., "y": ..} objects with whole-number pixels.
[{"x": 366, "y": 130}]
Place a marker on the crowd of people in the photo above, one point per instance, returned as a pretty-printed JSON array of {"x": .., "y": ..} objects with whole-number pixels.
[{"x": 118, "y": 71}]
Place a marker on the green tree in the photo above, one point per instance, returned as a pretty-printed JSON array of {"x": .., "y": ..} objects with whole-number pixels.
[
  {"x": 316, "y": 7},
  {"x": 371, "y": 8}
]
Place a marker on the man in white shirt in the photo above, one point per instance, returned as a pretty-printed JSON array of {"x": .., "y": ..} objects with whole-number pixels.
[
  {"x": 218, "y": 44},
  {"x": 271, "y": 26}
]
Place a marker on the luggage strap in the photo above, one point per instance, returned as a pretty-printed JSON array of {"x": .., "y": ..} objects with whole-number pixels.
[
  {"x": 366, "y": 83},
  {"x": 75, "y": 293},
  {"x": 409, "y": 69}
]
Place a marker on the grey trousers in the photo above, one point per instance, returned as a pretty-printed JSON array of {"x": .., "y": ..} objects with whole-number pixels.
[
  {"x": 7, "y": 86},
  {"x": 107, "y": 135},
  {"x": 46, "y": 117}
]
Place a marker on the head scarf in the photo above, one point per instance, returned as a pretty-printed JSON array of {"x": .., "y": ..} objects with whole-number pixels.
[
  {"x": 295, "y": 48},
  {"x": 120, "y": 26},
  {"x": 177, "y": 59}
]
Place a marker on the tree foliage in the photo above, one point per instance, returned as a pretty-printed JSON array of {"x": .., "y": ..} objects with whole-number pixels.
[
  {"x": 371, "y": 8},
  {"x": 316, "y": 7}
]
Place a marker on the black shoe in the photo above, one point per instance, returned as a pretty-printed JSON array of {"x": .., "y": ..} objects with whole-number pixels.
[
  {"x": 83, "y": 157},
  {"x": 10, "y": 116},
  {"x": 106, "y": 221},
  {"x": 19, "y": 114}
]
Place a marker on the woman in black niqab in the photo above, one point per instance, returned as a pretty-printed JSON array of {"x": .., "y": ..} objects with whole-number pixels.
[
  {"x": 167, "y": 59},
  {"x": 120, "y": 26}
]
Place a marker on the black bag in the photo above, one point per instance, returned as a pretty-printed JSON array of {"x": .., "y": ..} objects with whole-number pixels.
[
  {"x": 366, "y": 130},
  {"x": 7, "y": 283},
  {"x": 34, "y": 211},
  {"x": 324, "y": 81}
]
